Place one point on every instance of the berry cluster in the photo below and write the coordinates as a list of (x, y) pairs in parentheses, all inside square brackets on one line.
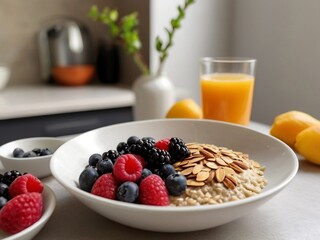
[(21, 201), (36, 152), (139, 171)]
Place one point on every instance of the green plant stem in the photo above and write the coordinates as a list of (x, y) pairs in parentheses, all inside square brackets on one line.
[(139, 60), (163, 51)]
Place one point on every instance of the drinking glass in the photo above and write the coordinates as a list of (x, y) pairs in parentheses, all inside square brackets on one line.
[(227, 86)]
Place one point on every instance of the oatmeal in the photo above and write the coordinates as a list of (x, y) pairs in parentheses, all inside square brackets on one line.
[(217, 175)]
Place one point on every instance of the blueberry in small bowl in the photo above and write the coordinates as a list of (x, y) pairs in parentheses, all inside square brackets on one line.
[(30, 155)]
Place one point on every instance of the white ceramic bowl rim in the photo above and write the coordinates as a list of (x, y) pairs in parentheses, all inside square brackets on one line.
[(120, 204)]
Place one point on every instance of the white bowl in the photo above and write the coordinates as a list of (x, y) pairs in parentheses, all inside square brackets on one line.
[(280, 161), (4, 76), (29, 233), (38, 166)]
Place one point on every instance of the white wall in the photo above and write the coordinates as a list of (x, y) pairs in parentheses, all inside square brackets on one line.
[(205, 32), (285, 38)]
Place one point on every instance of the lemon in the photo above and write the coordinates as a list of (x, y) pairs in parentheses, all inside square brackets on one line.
[(288, 125), (308, 142), (186, 108)]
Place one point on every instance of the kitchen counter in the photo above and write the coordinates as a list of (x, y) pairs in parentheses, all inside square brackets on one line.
[(291, 214), (52, 110), (37, 100)]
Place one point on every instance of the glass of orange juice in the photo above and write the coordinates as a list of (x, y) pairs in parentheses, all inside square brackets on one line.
[(227, 86)]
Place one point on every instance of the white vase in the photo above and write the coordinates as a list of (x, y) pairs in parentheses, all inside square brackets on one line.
[(154, 95)]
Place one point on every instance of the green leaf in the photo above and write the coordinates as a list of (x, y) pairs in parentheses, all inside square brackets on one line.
[(94, 12), (158, 44), (175, 23), (113, 15)]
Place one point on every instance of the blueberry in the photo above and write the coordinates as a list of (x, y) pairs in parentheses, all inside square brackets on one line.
[(4, 191), (45, 152), (104, 166), (176, 184), (29, 154), (3, 201), (18, 153), (145, 173), (94, 159), (87, 178), (166, 170), (36, 150), (128, 192), (132, 140)]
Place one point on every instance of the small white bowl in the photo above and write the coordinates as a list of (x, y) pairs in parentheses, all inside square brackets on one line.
[(49, 201), (280, 161), (38, 166), (4, 76)]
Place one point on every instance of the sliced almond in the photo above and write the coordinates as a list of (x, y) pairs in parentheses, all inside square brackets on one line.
[(241, 164), (228, 183), (212, 165), (229, 170), (197, 168), (235, 167), (206, 153), (202, 176), (232, 179), (194, 183), (226, 159), (211, 176), (187, 171), (221, 162), (220, 174)]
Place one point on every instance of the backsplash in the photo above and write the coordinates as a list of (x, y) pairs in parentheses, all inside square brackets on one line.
[(20, 22)]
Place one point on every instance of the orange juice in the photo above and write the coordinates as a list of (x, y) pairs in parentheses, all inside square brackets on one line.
[(227, 97)]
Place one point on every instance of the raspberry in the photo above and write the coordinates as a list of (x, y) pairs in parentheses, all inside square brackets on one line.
[(163, 144), (152, 191), (105, 186), (127, 168), (141, 160), (21, 212), (25, 184)]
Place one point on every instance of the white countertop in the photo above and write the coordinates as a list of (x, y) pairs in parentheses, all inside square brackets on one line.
[(292, 214), (36, 100)]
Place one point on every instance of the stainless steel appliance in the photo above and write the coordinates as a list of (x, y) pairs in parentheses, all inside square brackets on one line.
[(64, 43)]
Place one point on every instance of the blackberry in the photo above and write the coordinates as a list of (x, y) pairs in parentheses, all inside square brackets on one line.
[(149, 139), (141, 147), (123, 148), (177, 149), (157, 157), (10, 176), (44, 152), (111, 154), (29, 154)]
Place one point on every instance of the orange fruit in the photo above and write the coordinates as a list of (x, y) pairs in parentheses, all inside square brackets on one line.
[(288, 125), (186, 108)]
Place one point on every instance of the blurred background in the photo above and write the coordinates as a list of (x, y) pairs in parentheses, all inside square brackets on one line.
[(282, 35)]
